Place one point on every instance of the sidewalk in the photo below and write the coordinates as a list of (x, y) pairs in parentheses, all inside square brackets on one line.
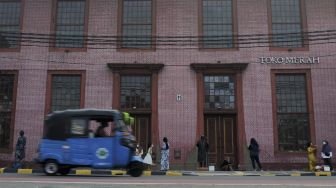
[(97, 172)]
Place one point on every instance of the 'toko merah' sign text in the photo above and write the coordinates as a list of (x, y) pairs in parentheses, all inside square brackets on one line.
[(289, 60)]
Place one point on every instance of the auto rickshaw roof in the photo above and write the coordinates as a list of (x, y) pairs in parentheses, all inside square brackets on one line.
[(81, 112), (57, 123)]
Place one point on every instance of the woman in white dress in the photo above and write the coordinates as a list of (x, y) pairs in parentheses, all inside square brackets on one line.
[(148, 158)]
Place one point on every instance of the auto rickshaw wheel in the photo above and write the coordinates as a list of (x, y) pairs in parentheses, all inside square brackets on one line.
[(136, 169), (64, 171), (51, 167)]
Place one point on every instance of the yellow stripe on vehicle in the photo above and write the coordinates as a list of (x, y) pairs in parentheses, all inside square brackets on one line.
[(83, 172), (2, 170), (25, 171), (118, 172)]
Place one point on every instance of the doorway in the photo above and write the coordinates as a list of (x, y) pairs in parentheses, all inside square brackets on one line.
[(221, 134), (142, 130)]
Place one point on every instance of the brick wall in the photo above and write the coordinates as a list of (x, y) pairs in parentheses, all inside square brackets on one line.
[(177, 119)]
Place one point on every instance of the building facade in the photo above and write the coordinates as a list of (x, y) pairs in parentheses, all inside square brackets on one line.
[(227, 69)]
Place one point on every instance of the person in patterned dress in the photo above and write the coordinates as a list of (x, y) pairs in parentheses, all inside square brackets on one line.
[(165, 155)]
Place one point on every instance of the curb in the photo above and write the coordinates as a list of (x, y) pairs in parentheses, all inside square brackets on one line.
[(88, 172), (265, 173), (97, 172)]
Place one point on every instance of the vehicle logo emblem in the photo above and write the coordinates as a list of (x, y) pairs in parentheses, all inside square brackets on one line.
[(102, 153)]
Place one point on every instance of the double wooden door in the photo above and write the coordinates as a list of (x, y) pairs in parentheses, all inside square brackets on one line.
[(142, 130), (221, 134)]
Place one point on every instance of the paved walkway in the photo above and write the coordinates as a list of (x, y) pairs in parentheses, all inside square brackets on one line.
[(175, 173)]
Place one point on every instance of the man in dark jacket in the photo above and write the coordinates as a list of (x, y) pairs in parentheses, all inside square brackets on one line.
[(203, 147), (20, 150), (254, 153)]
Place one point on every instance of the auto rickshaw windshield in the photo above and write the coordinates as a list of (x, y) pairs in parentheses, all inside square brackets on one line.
[(121, 126)]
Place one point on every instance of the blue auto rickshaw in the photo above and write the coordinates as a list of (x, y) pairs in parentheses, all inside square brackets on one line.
[(75, 138)]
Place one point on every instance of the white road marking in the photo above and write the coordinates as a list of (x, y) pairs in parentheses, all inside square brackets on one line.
[(139, 183)]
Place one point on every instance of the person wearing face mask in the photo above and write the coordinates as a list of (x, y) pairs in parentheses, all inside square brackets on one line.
[(326, 154)]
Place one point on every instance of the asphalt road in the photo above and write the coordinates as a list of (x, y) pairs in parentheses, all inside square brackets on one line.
[(42, 181)]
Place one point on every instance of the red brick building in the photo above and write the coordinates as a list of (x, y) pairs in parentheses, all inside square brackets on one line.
[(228, 69)]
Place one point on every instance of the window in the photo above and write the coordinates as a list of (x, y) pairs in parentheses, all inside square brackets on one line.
[(287, 24), (218, 26), (65, 92), (10, 22), (7, 107), (135, 92), (78, 127), (101, 126), (219, 92), (70, 23), (137, 24), (292, 112)]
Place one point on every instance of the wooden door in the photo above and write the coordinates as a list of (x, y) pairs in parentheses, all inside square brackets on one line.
[(142, 130), (221, 134)]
